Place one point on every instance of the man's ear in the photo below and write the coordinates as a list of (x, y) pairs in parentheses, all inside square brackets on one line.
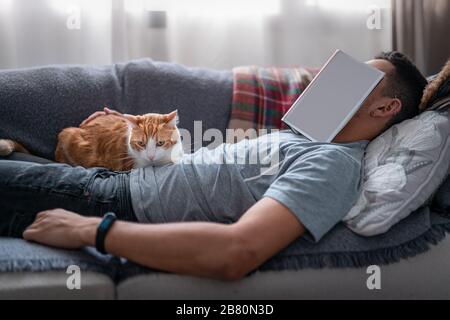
[(390, 108), (173, 118)]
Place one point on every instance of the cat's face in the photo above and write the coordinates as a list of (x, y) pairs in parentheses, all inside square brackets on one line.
[(154, 139)]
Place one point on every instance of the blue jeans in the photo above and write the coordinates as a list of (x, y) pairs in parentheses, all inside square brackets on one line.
[(28, 188)]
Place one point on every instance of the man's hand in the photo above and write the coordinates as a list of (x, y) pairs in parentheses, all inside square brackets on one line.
[(62, 229), (106, 112)]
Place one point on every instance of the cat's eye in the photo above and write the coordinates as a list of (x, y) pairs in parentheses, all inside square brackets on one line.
[(141, 143), (161, 143)]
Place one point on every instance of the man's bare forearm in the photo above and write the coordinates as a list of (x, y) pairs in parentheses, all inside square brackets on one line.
[(197, 249), (211, 250)]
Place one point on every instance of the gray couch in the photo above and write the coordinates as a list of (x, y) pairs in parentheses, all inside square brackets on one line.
[(35, 104), (426, 276)]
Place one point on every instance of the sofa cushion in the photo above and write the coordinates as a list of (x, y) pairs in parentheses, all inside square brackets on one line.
[(404, 167), (52, 285)]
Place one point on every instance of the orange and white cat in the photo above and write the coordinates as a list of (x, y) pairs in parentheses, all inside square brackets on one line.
[(117, 143)]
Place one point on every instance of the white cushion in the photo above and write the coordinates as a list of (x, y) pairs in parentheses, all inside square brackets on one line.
[(403, 168)]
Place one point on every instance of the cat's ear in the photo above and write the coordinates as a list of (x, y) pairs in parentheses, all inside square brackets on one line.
[(133, 121), (173, 119)]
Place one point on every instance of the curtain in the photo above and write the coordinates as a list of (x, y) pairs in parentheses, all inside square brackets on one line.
[(309, 31), (45, 32), (217, 34), (421, 30)]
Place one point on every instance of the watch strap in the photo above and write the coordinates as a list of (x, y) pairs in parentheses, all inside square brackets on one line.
[(103, 229)]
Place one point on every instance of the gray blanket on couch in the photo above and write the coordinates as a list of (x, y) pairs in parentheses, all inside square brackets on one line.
[(35, 104)]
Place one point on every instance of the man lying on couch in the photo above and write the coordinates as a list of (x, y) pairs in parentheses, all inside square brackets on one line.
[(218, 221)]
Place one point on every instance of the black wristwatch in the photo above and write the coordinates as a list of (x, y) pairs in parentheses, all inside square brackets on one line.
[(105, 226)]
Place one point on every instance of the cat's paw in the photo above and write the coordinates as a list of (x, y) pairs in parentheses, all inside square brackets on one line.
[(6, 148)]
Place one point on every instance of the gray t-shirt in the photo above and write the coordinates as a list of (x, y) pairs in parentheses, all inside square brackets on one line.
[(318, 182)]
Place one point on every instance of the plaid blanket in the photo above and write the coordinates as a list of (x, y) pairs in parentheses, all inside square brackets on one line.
[(262, 96)]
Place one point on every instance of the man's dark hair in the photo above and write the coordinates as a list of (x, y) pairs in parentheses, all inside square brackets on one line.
[(406, 83)]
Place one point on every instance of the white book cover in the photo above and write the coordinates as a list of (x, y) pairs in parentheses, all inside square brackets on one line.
[(333, 98)]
